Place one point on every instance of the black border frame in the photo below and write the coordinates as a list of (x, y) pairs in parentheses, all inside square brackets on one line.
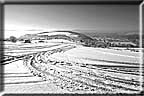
[(1, 47), (131, 2), (59, 2)]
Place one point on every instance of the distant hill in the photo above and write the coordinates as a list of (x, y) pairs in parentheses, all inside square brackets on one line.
[(83, 35), (132, 36), (95, 33), (70, 35)]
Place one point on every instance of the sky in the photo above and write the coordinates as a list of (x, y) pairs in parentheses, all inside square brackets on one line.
[(29, 19)]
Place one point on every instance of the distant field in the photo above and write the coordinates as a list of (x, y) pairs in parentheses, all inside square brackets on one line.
[(19, 48)]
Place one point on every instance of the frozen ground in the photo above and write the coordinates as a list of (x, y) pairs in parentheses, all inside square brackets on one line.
[(19, 48), (100, 56), (81, 70), (82, 61), (18, 79)]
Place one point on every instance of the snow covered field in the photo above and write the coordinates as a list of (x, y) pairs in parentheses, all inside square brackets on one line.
[(64, 67), (18, 79), (102, 76), (100, 56), (19, 48)]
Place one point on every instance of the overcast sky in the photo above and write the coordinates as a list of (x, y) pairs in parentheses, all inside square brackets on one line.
[(26, 19)]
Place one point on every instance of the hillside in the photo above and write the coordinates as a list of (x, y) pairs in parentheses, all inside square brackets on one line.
[(119, 35), (132, 36), (68, 35)]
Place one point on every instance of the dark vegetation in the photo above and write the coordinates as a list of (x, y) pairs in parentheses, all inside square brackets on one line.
[(11, 38), (116, 36), (27, 41)]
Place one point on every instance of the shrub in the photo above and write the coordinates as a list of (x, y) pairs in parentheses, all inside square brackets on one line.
[(13, 39)]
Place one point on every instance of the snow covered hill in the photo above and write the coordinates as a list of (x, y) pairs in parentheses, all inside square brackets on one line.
[(69, 35)]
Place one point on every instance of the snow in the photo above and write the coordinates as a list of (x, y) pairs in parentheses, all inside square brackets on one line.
[(18, 79), (58, 33), (93, 55), (58, 41), (22, 48), (20, 44)]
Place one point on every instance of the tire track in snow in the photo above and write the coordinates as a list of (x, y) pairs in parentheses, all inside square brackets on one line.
[(88, 78)]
